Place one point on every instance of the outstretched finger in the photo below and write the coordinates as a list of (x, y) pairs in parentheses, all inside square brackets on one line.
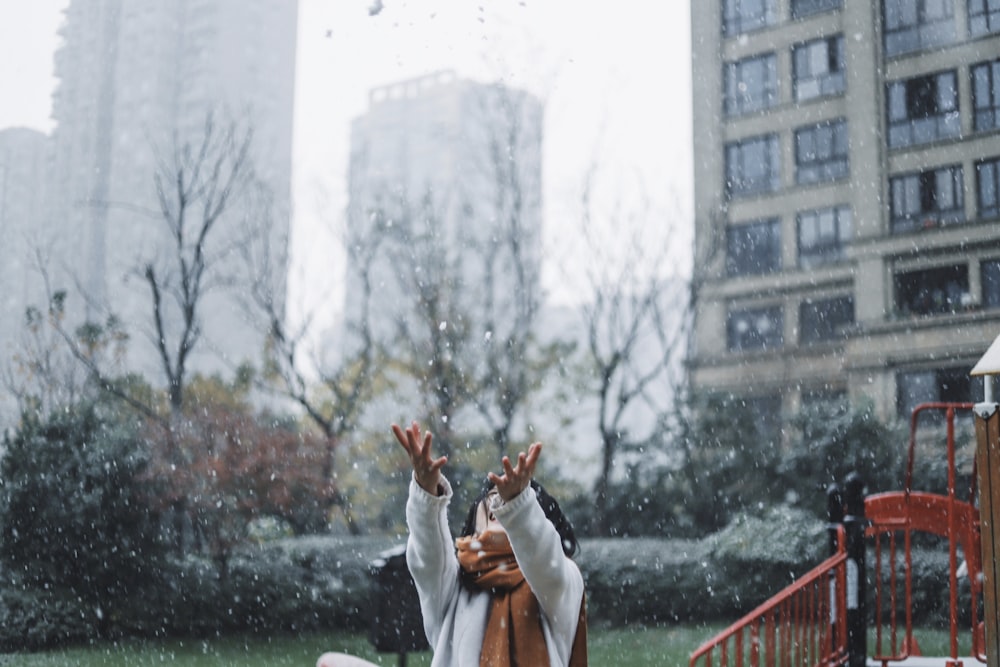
[(438, 463), (406, 439), (402, 438), (522, 464), (534, 451), (413, 439), (508, 468)]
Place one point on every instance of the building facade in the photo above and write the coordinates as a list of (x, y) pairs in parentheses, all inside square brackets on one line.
[(137, 81), (847, 157)]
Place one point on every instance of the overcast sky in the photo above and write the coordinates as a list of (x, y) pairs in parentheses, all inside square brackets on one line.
[(615, 77)]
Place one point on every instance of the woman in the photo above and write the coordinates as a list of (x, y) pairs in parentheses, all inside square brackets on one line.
[(506, 593)]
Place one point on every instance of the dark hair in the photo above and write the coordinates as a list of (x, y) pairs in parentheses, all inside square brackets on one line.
[(552, 512)]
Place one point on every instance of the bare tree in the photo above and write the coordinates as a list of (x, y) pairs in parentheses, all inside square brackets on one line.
[(432, 326), (42, 375), (196, 184), (636, 324), (468, 257), (45, 372), (459, 247), (512, 362), (335, 398)]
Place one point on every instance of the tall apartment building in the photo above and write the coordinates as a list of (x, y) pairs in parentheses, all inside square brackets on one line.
[(137, 78), (449, 157), (847, 198), (22, 169)]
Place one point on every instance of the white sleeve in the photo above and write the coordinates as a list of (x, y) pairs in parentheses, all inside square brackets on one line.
[(554, 578), (430, 555)]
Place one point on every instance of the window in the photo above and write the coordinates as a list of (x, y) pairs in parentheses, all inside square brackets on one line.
[(821, 152), (923, 109), (753, 248), (825, 319), (739, 16), (752, 165), (819, 68), (935, 385), (751, 84), (990, 277), (984, 17), (926, 199), (914, 25), (937, 291), (988, 187), (822, 235), (755, 329), (802, 8), (986, 95)]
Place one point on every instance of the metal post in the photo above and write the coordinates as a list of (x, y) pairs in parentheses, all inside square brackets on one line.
[(854, 527), (835, 515), (988, 468), (835, 519)]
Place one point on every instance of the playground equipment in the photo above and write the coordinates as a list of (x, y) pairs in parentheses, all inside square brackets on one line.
[(988, 464), (828, 618)]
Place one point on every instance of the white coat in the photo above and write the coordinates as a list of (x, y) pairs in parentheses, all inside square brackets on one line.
[(455, 617)]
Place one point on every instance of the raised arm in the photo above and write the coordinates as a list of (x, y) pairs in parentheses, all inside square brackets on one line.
[(430, 550), (554, 578)]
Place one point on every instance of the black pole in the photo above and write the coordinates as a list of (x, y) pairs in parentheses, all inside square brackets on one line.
[(835, 515), (854, 527), (835, 518)]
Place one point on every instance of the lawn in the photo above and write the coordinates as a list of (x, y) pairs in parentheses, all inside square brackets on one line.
[(623, 647)]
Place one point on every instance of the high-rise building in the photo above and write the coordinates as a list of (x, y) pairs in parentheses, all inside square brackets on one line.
[(22, 169), (458, 164), (847, 196), (137, 79)]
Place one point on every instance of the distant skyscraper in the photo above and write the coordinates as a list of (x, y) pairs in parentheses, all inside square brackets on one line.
[(136, 78), (452, 159), (22, 169)]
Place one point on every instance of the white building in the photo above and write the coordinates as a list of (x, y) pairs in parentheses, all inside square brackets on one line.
[(451, 159), (136, 79), (22, 169)]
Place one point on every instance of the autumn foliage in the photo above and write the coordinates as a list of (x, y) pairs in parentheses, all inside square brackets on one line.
[(222, 467)]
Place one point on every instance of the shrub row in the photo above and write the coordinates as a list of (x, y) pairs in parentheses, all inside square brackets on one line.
[(317, 583), (291, 585)]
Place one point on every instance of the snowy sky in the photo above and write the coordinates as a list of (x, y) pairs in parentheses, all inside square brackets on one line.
[(615, 77)]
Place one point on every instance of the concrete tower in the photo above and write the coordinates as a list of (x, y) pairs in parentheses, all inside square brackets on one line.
[(457, 160), (138, 78)]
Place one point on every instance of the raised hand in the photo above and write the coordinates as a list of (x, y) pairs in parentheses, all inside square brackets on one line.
[(426, 470), (516, 478)]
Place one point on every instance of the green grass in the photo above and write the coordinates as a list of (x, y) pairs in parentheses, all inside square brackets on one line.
[(622, 647)]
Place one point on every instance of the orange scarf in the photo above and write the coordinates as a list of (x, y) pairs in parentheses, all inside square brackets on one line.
[(513, 635)]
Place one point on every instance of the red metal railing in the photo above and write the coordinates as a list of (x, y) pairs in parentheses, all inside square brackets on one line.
[(805, 624), (894, 517), (802, 626)]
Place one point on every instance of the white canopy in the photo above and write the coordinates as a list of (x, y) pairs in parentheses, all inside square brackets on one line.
[(990, 362)]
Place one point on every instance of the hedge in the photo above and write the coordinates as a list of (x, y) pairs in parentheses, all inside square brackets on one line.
[(316, 583)]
